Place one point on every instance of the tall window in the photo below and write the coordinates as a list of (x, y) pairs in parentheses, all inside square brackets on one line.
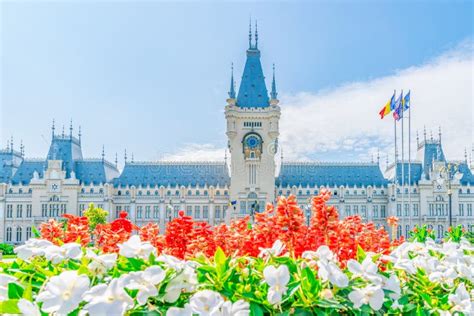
[(189, 210), (9, 211), (399, 231), (440, 231), (29, 211), (399, 210), (118, 209), (415, 209), (205, 211), (63, 209), (348, 210), (139, 211), (469, 209), (197, 211), (9, 234), (355, 209), (243, 207), (176, 210), (363, 210), (19, 211), (406, 209), (461, 209), (28, 232), (407, 230), (376, 211), (18, 234), (147, 211), (431, 209), (383, 212), (217, 211), (156, 211)]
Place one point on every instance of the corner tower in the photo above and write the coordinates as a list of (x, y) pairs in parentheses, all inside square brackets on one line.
[(252, 131)]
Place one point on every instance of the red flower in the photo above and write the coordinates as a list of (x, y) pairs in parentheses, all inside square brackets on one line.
[(77, 229), (52, 230)]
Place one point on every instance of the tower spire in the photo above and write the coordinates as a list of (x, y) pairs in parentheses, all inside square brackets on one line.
[(232, 84), (70, 129), (417, 139), (250, 33), (80, 134), (116, 159), (465, 155), (274, 93), (62, 134), (103, 152), (132, 158), (11, 144), (125, 156), (378, 156), (52, 129), (22, 148), (256, 35), (424, 133), (439, 134)]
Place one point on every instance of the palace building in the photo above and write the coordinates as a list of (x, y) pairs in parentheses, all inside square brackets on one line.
[(33, 190)]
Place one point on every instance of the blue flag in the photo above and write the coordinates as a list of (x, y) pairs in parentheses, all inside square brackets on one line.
[(397, 113), (406, 101)]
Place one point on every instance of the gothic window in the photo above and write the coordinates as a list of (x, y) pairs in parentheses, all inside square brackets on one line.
[(197, 192), (176, 193), (156, 212), (119, 193), (28, 233), (18, 234), (9, 210), (156, 192), (8, 234), (147, 211), (92, 190), (148, 192)]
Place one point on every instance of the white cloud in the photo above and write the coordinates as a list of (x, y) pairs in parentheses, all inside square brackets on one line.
[(346, 119), (196, 152), (343, 123)]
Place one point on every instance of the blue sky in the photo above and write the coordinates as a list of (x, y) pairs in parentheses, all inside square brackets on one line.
[(153, 77)]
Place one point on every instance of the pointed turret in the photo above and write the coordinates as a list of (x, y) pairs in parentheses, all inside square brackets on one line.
[(274, 93), (253, 91), (232, 84)]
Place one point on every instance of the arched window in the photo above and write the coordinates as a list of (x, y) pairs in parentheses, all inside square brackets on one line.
[(197, 192), (28, 232), (226, 193), (119, 192), (205, 192), (8, 236), (468, 191), (308, 192), (300, 192), (156, 192), (127, 193), (101, 191), (190, 192), (218, 192), (177, 193), (91, 190), (30, 191), (148, 192), (168, 193), (20, 191), (140, 193), (83, 191), (18, 234)]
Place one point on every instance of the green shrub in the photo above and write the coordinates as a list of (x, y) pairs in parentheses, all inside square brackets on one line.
[(6, 249)]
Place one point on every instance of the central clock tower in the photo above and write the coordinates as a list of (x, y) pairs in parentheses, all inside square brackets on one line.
[(252, 131)]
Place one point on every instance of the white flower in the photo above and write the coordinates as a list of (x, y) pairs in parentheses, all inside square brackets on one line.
[(367, 270), (32, 247), (274, 251), (145, 282), (28, 308), (63, 293), (108, 299), (322, 254), (329, 271), (177, 311), (392, 284), (172, 262), (56, 254), (206, 302), (100, 264), (461, 301), (4, 280), (277, 279), (239, 308), (372, 295), (185, 280), (134, 247), (443, 274)]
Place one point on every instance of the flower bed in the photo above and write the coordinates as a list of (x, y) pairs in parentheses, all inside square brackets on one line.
[(277, 265)]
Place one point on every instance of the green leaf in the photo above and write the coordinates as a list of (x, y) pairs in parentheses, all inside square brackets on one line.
[(360, 253), (35, 232), (255, 309), (219, 257), (15, 291), (9, 307)]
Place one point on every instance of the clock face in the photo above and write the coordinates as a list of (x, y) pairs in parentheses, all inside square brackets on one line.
[(252, 142)]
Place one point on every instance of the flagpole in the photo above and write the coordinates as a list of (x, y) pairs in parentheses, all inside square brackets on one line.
[(409, 165), (403, 165), (395, 156)]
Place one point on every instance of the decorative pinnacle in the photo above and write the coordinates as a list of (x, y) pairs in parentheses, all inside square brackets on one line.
[(274, 93), (125, 155), (250, 33), (116, 159), (424, 132), (70, 129), (439, 134), (52, 129), (80, 134), (417, 139), (232, 84), (256, 35), (11, 143), (103, 152)]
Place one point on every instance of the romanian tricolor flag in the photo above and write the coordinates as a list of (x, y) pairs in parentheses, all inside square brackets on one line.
[(388, 107)]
